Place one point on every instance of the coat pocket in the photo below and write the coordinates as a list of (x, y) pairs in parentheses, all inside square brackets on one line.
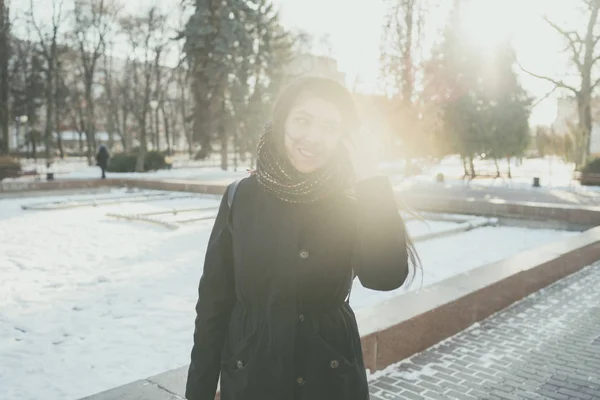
[(336, 376), (331, 359), (241, 354)]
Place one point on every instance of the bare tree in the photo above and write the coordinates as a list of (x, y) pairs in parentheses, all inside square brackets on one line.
[(402, 36), (4, 75), (48, 37), (581, 48), (399, 58), (183, 83), (27, 87), (94, 21), (146, 39)]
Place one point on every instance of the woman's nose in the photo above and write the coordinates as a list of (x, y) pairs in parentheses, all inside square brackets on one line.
[(313, 134)]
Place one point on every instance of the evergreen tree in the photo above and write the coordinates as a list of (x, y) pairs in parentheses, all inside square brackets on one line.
[(484, 109), (234, 49)]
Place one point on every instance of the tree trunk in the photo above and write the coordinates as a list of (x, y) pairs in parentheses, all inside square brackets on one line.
[(167, 131), (125, 134), (49, 117), (407, 70), (143, 148), (224, 145), (585, 125), (509, 172), (497, 167), (34, 149), (235, 151), (90, 133), (157, 131), (59, 142), (4, 78), (472, 167), (57, 128), (81, 142), (464, 162)]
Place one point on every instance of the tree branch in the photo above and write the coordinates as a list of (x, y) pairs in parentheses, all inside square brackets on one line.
[(572, 43), (559, 84), (45, 51), (596, 83), (534, 105)]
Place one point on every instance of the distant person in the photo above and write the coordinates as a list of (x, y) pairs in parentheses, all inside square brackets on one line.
[(273, 316), (102, 159)]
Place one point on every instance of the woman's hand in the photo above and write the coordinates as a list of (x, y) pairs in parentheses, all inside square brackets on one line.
[(362, 150)]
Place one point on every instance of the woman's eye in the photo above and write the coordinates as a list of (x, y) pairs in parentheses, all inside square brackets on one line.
[(302, 120)]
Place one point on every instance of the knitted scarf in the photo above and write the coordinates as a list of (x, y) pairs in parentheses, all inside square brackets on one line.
[(276, 174)]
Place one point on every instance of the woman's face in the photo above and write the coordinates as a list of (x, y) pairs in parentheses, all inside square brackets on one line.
[(313, 130)]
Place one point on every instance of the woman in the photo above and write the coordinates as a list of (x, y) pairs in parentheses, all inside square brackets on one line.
[(272, 316)]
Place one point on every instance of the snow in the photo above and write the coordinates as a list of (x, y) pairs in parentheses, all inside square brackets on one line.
[(89, 302), (554, 173), (183, 168), (449, 256)]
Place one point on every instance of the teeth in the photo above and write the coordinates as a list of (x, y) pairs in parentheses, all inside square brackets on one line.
[(306, 153)]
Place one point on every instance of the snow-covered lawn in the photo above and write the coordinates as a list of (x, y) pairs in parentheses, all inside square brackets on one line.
[(89, 302)]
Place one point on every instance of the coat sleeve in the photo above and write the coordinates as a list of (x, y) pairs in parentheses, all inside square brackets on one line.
[(380, 258), (216, 297)]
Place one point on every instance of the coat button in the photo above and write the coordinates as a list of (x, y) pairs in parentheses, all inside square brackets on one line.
[(300, 381), (240, 364), (301, 317), (334, 364), (304, 254)]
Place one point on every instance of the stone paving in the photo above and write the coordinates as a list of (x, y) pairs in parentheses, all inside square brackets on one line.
[(545, 347)]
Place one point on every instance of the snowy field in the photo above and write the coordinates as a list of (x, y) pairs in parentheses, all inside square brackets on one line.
[(89, 302)]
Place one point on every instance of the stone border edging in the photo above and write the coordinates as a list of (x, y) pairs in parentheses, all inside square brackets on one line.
[(572, 214)]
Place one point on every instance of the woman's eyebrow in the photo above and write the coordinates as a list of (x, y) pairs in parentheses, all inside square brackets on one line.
[(303, 113)]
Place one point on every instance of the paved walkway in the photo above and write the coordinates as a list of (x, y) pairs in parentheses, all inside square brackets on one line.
[(544, 347)]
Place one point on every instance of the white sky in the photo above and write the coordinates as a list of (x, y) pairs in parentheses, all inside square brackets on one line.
[(354, 29)]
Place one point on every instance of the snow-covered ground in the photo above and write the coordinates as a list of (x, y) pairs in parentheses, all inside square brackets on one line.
[(553, 172), (183, 168), (89, 302)]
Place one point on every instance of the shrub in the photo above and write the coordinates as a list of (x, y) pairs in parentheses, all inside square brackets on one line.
[(122, 162), (126, 162), (201, 154), (592, 166), (154, 160), (9, 167)]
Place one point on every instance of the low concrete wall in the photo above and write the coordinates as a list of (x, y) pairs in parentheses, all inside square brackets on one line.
[(28, 186), (576, 215)]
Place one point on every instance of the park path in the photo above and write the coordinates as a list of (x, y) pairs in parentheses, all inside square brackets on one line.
[(547, 346)]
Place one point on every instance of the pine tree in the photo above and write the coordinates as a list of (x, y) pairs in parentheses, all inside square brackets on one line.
[(484, 109), (231, 47), (508, 107)]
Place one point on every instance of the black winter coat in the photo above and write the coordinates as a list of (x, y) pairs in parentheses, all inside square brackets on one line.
[(272, 318)]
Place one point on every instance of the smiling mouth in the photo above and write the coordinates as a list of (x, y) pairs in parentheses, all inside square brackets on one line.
[(307, 154)]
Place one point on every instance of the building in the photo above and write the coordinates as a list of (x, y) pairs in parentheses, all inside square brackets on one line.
[(567, 116)]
